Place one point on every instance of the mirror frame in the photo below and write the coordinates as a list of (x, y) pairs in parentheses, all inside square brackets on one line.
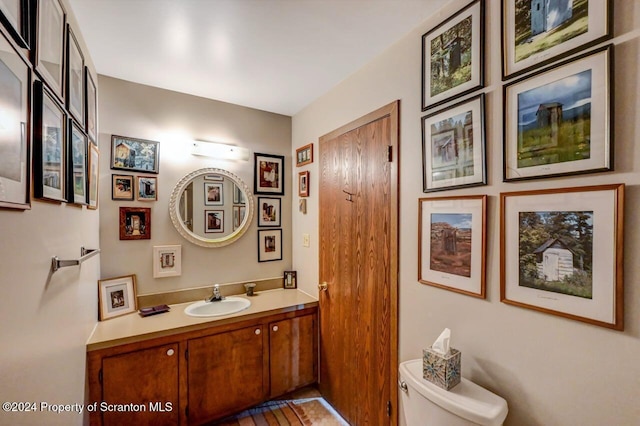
[(174, 202)]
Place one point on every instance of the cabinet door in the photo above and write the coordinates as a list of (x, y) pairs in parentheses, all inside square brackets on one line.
[(225, 373), (292, 353), (141, 387)]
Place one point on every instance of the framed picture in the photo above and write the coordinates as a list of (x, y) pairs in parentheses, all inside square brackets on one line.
[(49, 152), (302, 205), (238, 195), (167, 261), (135, 223), (117, 296), (50, 35), (91, 108), (270, 211), (452, 248), (290, 279), (75, 78), (214, 221), (94, 175), (304, 155), (213, 194), (214, 177), (15, 15), (538, 32), (15, 161), (78, 179), (122, 187), (238, 216), (147, 188), (269, 245), (557, 122), (453, 147), (138, 155), (303, 184), (561, 252), (453, 56), (269, 174)]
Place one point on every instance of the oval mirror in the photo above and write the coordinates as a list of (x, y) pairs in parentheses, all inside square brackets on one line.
[(211, 207)]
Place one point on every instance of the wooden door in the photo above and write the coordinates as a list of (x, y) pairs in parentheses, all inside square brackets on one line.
[(358, 261), (225, 373), (146, 378), (292, 354)]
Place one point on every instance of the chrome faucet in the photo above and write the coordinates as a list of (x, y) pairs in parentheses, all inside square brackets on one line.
[(215, 295)]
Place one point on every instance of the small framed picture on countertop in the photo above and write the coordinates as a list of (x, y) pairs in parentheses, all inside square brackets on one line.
[(290, 279)]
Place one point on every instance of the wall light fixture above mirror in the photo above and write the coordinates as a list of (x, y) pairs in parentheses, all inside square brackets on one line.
[(219, 150)]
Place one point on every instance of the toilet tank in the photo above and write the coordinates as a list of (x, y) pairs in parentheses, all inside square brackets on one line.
[(425, 404)]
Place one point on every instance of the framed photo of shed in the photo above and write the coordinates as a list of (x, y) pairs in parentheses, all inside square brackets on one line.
[(304, 155), (452, 247), (75, 78), (453, 146), (133, 154), (117, 296), (50, 46), (270, 212), (15, 148), (135, 223), (268, 174), (77, 178), (147, 188), (16, 17), (557, 122), (94, 176), (50, 147), (561, 252), (303, 184), (122, 187), (536, 33), (269, 245), (453, 56)]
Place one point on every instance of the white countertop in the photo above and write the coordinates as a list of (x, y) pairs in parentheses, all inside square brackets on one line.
[(132, 327)]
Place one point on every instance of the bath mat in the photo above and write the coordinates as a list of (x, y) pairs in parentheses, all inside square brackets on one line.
[(295, 412)]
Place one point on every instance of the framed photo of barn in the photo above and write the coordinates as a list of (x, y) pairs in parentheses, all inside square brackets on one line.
[(453, 147), (452, 247), (133, 154), (557, 122), (538, 32), (561, 252), (453, 56)]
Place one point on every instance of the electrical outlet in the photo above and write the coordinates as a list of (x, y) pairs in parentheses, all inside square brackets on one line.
[(305, 240)]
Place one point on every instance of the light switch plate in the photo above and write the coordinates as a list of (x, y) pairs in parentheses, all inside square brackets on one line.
[(305, 240)]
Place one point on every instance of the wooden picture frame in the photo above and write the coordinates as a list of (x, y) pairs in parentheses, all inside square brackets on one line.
[(214, 221), (135, 223), (91, 107), (122, 187), (561, 252), (75, 78), (269, 245), (132, 154), (268, 174), (453, 56), (558, 121), (16, 17), (549, 35), (238, 215), (453, 146), (50, 147), (304, 155), (116, 297), (303, 184), (213, 193), (94, 176), (270, 212), (167, 261), (15, 140), (51, 26), (290, 280), (78, 161), (146, 188), (453, 243)]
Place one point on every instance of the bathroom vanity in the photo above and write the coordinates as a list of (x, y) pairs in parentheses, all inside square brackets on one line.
[(175, 369)]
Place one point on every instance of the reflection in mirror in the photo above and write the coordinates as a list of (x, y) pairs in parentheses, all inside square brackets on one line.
[(211, 207)]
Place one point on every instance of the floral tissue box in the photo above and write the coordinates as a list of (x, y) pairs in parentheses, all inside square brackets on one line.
[(442, 371)]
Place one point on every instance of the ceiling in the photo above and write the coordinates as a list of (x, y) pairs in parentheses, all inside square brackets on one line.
[(273, 55)]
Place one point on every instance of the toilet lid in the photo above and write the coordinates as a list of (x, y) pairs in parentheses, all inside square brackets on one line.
[(466, 400)]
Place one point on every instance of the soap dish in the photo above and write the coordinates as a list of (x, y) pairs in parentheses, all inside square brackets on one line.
[(153, 310)]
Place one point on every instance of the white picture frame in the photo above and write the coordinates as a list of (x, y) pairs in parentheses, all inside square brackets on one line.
[(167, 261)]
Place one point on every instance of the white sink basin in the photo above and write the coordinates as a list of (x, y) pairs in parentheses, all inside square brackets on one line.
[(226, 306)]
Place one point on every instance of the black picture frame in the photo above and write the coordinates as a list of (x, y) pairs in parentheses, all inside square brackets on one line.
[(125, 154), (49, 146), (75, 78), (269, 212), (15, 141), (16, 17), (290, 280), (94, 176), (50, 47), (78, 161), (445, 60), (123, 187), (269, 245), (268, 174), (455, 157), (522, 52), (91, 107)]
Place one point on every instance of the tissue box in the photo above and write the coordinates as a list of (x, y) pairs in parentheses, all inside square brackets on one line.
[(442, 371)]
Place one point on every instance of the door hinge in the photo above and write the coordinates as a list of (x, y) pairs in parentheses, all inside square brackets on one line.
[(100, 376), (388, 408), (389, 153)]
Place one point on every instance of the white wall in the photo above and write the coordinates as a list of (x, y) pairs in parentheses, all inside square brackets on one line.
[(174, 119), (551, 370), (45, 320)]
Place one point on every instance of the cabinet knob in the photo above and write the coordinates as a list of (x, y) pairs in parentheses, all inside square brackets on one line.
[(258, 331), (170, 352), (275, 328), (323, 286)]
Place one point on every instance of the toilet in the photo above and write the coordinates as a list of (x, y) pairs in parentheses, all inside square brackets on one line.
[(425, 404)]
